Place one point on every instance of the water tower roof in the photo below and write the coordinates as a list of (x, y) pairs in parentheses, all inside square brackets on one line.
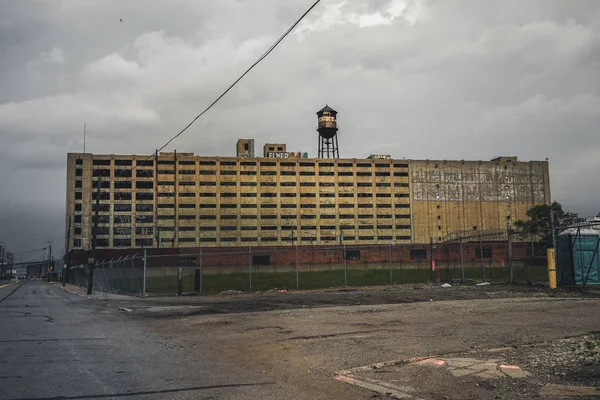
[(326, 108)]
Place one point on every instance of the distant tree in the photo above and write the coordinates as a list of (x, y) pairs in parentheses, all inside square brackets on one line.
[(539, 222)]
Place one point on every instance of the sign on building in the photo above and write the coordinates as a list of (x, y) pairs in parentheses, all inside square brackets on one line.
[(281, 154), (380, 157)]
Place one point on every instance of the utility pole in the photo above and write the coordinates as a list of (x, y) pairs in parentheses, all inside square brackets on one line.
[(66, 269), (49, 261), (510, 263), (1, 259), (94, 234)]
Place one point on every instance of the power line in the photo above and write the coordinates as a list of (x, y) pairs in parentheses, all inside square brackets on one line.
[(262, 57)]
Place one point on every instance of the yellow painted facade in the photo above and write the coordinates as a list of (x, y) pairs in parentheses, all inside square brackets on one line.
[(183, 200)]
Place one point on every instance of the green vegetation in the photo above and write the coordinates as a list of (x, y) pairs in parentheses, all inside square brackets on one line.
[(262, 281), (539, 223)]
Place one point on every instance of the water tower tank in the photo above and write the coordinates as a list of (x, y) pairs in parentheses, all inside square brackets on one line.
[(327, 128)]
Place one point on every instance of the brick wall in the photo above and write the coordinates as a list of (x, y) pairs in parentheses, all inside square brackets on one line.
[(310, 255)]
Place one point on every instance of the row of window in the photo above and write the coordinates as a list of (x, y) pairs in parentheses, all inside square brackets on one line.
[(150, 163), (148, 242), (143, 218), (148, 173), (103, 230)]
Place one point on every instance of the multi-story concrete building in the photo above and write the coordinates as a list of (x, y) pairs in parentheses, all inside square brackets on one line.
[(183, 200)]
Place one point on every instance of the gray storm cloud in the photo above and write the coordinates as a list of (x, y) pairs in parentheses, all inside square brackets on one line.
[(416, 79)]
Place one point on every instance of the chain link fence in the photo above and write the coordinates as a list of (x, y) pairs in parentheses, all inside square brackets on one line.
[(210, 271), (121, 276)]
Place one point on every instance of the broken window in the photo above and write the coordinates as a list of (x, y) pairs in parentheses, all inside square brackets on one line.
[(77, 219), (122, 208), (102, 243), (144, 173), (144, 185), (101, 172), (101, 207), (143, 242), (141, 219), (144, 196), (102, 195), (78, 195), (102, 219), (101, 230), (122, 231), (122, 185), (78, 172), (144, 230), (123, 162), (100, 162), (122, 219), (122, 196)]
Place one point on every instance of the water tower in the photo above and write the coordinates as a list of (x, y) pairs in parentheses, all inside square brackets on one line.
[(327, 128)]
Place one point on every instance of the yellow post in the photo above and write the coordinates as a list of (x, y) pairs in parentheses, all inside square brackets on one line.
[(551, 268)]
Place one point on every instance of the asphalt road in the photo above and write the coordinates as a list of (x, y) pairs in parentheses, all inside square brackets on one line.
[(56, 345)]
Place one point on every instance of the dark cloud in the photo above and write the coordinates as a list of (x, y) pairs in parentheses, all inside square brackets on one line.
[(417, 79)]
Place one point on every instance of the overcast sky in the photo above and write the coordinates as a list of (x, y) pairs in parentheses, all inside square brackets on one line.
[(415, 79)]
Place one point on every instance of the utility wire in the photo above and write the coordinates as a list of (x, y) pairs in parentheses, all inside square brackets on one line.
[(262, 57)]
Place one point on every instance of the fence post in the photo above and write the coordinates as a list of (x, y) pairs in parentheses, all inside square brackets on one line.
[(391, 279), (144, 276), (179, 281), (297, 267), (198, 277), (552, 269), (462, 265), (250, 267)]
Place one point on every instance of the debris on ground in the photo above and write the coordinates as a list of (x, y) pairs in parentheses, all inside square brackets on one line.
[(230, 292), (446, 285), (482, 284)]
